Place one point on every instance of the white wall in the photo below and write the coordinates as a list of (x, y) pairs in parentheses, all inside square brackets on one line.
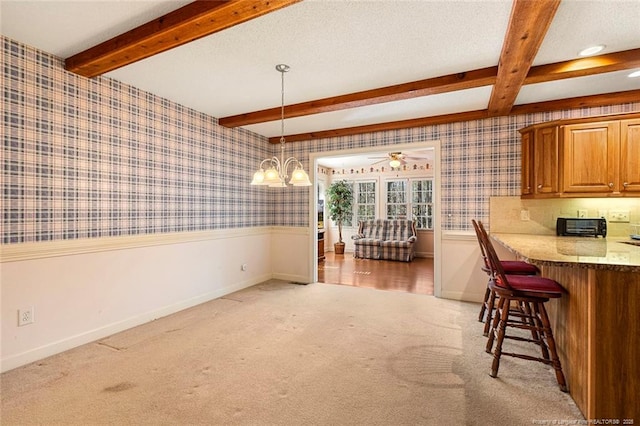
[(83, 293), (291, 250), (462, 278), (424, 244)]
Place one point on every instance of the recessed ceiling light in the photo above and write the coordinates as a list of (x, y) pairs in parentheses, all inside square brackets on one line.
[(635, 74), (591, 50)]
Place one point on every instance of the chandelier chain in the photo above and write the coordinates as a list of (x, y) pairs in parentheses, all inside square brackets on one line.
[(282, 71)]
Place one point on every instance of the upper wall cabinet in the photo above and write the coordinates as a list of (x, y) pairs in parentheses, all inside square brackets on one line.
[(591, 156), (594, 157), (630, 155), (540, 162)]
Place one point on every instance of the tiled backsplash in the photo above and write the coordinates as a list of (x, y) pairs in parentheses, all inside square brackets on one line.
[(505, 213), (86, 158)]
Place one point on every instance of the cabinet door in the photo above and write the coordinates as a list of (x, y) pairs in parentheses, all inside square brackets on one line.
[(590, 157), (630, 156), (545, 161), (526, 174)]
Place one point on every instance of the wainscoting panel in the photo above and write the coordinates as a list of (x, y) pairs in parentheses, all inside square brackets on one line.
[(78, 298), (462, 278)]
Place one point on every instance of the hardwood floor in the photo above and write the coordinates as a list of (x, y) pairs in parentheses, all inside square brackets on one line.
[(412, 277)]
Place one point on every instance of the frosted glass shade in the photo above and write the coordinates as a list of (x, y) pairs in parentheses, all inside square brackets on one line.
[(258, 178), (299, 177), (272, 176)]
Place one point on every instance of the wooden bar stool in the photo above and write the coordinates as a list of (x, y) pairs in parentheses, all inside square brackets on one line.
[(511, 267), (530, 293)]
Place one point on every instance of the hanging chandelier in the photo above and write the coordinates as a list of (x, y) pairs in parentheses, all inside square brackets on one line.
[(276, 174)]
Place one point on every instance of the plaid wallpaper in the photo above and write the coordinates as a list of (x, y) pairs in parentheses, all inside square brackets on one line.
[(479, 158), (87, 158)]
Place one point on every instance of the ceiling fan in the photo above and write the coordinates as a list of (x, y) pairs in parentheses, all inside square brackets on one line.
[(396, 159)]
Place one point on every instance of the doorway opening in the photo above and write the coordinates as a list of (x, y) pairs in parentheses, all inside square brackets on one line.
[(372, 164)]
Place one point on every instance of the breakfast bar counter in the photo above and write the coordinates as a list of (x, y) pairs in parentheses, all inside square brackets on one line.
[(597, 322)]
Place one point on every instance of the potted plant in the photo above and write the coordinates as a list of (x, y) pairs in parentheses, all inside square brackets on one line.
[(339, 203)]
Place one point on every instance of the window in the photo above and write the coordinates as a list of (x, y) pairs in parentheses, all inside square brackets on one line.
[(415, 196), (422, 203), (364, 206), (404, 199), (397, 199)]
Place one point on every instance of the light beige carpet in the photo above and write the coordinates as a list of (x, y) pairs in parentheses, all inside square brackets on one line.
[(279, 353)]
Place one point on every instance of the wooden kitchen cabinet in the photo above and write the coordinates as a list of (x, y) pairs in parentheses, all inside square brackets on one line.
[(630, 156), (545, 158), (592, 157), (526, 172), (540, 161)]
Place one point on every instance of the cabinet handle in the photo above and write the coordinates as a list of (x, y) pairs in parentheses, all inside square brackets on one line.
[(540, 186), (610, 184), (625, 184)]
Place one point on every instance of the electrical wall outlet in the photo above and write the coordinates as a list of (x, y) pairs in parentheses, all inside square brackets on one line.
[(524, 215), (602, 213), (25, 316), (619, 216), (582, 213)]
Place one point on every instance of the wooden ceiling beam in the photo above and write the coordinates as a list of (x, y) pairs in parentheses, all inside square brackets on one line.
[(614, 98), (528, 24), (381, 127), (556, 105), (190, 22), (611, 62), (582, 67), (431, 86)]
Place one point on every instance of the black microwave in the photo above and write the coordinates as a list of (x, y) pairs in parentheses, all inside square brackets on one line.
[(581, 227)]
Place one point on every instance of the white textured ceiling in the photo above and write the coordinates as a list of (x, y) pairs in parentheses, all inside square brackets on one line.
[(333, 48)]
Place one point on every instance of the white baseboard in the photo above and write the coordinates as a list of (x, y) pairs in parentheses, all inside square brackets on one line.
[(102, 332), (292, 278), (463, 296), (424, 254)]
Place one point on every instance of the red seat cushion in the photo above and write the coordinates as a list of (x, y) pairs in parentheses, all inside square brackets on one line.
[(519, 267), (532, 284)]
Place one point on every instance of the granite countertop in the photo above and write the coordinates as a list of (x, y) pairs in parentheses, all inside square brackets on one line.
[(587, 252)]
